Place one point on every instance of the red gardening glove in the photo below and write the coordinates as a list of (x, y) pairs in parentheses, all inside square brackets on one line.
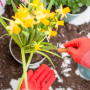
[(82, 54), (41, 79)]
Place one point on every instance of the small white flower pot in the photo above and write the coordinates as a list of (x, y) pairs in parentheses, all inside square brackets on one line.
[(31, 66)]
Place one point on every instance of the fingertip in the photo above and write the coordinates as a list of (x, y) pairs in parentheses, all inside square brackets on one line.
[(65, 45), (29, 74), (30, 71), (43, 65)]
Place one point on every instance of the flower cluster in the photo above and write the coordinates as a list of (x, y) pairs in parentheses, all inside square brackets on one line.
[(37, 18)]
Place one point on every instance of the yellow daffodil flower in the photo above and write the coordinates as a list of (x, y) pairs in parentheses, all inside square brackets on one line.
[(62, 11), (39, 29), (13, 28), (59, 23), (36, 2), (52, 15), (51, 33), (28, 23), (16, 29), (43, 31), (39, 15), (37, 46), (45, 21), (41, 6)]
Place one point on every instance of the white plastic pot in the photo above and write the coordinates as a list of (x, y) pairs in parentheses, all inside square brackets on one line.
[(31, 66)]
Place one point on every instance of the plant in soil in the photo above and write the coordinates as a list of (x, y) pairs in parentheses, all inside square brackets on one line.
[(30, 26), (75, 5)]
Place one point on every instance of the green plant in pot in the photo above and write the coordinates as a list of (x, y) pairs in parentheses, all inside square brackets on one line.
[(30, 25), (77, 7)]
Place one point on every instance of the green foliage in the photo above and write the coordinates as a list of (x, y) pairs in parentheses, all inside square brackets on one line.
[(73, 4), (17, 2)]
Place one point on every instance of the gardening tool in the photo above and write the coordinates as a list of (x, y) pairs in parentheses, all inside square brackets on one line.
[(63, 50)]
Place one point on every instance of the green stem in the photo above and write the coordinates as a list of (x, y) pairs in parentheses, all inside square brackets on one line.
[(5, 18), (4, 35), (29, 61), (3, 22), (50, 4), (24, 66), (25, 2), (20, 39), (44, 2), (52, 53), (15, 38)]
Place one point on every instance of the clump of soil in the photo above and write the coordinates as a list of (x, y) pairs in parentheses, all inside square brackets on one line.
[(11, 69)]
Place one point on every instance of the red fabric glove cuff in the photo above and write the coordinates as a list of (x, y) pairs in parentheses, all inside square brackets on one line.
[(85, 61)]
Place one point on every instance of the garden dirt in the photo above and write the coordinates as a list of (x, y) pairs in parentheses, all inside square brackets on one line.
[(11, 69)]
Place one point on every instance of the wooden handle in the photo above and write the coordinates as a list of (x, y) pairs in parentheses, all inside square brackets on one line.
[(62, 50)]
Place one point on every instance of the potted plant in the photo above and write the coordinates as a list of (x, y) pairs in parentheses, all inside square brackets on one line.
[(77, 7), (85, 72), (30, 25)]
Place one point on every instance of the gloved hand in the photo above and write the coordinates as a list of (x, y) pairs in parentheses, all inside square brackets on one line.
[(82, 54), (41, 79)]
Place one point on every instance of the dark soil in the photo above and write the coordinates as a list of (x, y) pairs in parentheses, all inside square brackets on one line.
[(17, 54), (11, 69), (83, 8)]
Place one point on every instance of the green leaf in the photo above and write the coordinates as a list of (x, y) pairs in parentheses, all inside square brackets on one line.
[(32, 34), (22, 77), (75, 5), (50, 47), (17, 2), (4, 35), (50, 4), (24, 66), (25, 33), (46, 43), (80, 4), (8, 2), (51, 53), (46, 57), (14, 7), (3, 22)]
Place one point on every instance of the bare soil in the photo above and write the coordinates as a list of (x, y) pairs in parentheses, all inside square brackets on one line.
[(11, 69)]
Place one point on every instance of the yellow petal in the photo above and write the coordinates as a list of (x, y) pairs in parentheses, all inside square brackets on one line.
[(66, 10), (36, 47), (43, 31), (65, 16), (53, 33), (61, 23), (61, 6), (53, 15), (46, 11), (45, 21), (62, 16), (41, 7), (36, 2), (16, 29), (28, 23)]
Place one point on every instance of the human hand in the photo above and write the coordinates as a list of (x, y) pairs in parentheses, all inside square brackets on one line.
[(41, 79), (82, 54)]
